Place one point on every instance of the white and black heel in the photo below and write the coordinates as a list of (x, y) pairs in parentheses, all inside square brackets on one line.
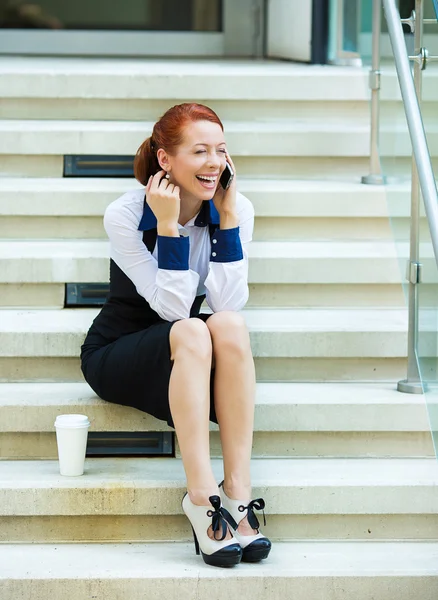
[(218, 552), (255, 547)]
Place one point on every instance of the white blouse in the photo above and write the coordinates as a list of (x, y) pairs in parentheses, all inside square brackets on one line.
[(179, 269)]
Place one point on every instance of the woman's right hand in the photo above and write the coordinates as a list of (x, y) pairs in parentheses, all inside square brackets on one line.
[(163, 198)]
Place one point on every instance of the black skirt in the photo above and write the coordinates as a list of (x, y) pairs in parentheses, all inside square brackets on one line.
[(134, 370)]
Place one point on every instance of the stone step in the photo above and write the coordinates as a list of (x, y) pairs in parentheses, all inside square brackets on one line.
[(175, 80), (72, 88), (229, 109), (278, 333), (155, 486), (298, 570), (346, 419), (52, 295), (284, 208), (297, 198), (331, 168), (283, 262), (33, 273), (244, 138), (288, 344), (335, 407), (49, 208), (141, 490), (265, 228), (288, 137), (29, 77)]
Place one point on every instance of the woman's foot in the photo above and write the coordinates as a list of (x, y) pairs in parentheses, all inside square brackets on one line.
[(236, 492), (211, 532), (201, 498), (246, 526)]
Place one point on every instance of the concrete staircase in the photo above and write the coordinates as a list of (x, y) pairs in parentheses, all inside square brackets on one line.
[(344, 462)]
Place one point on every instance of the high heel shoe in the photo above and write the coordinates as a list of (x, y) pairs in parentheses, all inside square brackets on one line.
[(255, 547), (218, 552)]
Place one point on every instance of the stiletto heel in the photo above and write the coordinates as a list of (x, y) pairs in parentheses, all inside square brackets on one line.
[(217, 552), (255, 547), (196, 542)]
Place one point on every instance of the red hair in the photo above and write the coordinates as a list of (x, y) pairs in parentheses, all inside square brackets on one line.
[(168, 134)]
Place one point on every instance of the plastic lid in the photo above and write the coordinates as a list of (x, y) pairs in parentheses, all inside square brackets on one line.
[(72, 421)]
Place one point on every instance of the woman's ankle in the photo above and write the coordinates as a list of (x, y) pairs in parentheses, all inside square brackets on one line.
[(200, 496), (236, 490)]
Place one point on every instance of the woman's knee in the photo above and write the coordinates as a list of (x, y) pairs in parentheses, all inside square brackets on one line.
[(190, 336), (229, 332)]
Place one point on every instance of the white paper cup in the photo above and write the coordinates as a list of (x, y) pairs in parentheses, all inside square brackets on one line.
[(71, 437)]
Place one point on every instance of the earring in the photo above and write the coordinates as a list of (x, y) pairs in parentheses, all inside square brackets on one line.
[(167, 176)]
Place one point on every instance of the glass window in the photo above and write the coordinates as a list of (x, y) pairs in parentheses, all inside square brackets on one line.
[(129, 15)]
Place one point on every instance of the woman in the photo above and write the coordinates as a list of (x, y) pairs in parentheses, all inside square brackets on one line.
[(182, 239)]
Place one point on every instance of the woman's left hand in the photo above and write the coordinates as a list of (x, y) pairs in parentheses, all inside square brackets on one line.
[(225, 200)]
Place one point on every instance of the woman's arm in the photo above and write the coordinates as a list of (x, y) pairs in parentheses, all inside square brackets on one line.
[(167, 284), (227, 280)]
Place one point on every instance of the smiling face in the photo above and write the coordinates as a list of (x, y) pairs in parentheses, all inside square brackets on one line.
[(198, 161)]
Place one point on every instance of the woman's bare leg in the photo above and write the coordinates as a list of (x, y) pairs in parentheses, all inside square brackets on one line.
[(234, 392), (189, 391)]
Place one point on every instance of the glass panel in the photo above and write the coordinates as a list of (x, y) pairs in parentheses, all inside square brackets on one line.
[(131, 15), (344, 32), (395, 154), (396, 161), (350, 26), (431, 28), (428, 290), (428, 331)]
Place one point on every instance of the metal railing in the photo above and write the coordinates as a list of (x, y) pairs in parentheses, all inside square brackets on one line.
[(375, 176), (422, 171)]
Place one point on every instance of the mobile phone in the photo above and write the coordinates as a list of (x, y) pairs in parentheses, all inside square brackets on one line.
[(227, 176)]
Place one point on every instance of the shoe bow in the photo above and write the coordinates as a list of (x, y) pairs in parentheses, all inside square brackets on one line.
[(220, 516), (258, 504)]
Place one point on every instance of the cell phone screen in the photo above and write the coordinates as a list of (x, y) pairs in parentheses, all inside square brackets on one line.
[(226, 177)]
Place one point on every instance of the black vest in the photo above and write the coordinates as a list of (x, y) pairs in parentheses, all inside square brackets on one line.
[(125, 311)]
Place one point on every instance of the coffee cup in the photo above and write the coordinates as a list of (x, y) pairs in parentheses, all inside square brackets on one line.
[(71, 438)]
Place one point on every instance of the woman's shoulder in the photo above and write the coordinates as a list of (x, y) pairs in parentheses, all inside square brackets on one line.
[(245, 207), (127, 206)]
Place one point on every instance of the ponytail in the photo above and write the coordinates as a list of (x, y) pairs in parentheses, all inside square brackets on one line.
[(146, 162)]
